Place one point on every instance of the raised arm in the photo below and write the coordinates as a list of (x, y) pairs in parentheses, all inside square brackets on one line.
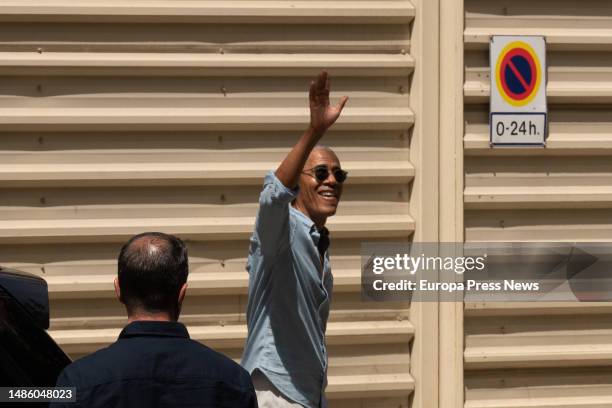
[(322, 116)]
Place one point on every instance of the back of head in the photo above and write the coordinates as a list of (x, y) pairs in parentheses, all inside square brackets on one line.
[(153, 267)]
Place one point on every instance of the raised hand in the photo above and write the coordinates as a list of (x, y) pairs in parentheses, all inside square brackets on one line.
[(322, 116)]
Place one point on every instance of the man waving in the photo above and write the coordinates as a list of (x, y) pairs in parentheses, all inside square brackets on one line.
[(290, 280)]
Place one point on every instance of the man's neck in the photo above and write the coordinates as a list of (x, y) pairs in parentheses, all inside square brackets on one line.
[(319, 222), (150, 317)]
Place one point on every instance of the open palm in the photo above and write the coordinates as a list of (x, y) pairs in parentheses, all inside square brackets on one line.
[(322, 115)]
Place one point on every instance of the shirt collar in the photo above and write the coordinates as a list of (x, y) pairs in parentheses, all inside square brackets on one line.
[(154, 328), (303, 218), (315, 232)]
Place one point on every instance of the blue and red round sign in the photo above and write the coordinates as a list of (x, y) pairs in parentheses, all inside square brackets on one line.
[(518, 73)]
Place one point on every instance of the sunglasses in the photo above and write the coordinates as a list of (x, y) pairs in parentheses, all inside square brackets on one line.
[(321, 173)]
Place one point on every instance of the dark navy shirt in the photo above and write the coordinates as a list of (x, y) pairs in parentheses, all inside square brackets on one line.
[(155, 364)]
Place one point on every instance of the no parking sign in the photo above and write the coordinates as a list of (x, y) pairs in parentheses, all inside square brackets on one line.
[(518, 91)]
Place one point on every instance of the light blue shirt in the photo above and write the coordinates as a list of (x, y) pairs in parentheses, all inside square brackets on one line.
[(289, 296)]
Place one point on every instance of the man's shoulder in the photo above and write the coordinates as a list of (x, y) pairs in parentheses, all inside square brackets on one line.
[(218, 364), (81, 370), (98, 356)]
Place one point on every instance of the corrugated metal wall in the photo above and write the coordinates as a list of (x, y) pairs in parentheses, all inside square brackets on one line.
[(123, 117), (146, 115), (541, 355)]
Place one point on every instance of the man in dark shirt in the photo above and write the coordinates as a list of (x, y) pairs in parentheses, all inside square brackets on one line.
[(154, 363)]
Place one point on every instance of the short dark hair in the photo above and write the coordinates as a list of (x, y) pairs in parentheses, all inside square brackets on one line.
[(153, 267)]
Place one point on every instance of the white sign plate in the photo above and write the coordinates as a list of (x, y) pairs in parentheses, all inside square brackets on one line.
[(518, 91)]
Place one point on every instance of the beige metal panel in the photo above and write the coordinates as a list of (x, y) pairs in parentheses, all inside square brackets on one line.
[(111, 215), (209, 11), (573, 131), (178, 159), (226, 228), (369, 386), (193, 104), (425, 198), (176, 167), (177, 174), (538, 225), (541, 340), (538, 197), (168, 37), (143, 119), (550, 182), (451, 218), (597, 352), (377, 402), (274, 91), (539, 389), (122, 117), (567, 24), (175, 64), (540, 355), (572, 171), (531, 308)]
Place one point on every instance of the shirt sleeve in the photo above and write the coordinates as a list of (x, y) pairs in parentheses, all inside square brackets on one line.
[(272, 225)]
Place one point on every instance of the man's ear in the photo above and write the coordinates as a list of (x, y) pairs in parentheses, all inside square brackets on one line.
[(117, 290), (181, 295)]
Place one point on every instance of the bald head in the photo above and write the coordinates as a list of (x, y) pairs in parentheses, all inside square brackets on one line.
[(152, 269), (319, 154), (148, 245), (325, 148)]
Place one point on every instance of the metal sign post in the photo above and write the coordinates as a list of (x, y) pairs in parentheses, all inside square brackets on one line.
[(518, 114)]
